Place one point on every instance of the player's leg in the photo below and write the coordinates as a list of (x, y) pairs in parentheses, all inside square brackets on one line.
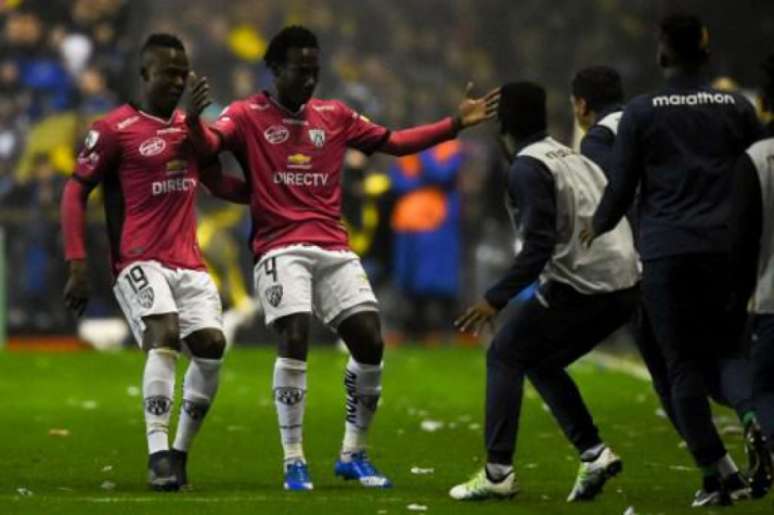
[(763, 385), (654, 362), (144, 295), (514, 345), (284, 285), (344, 300), (200, 385), (581, 322), (686, 326), (361, 332)]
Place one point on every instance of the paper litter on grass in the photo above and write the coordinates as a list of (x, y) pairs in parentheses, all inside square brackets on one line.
[(431, 425), (417, 507)]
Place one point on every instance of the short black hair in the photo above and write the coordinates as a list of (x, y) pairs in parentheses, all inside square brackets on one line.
[(293, 36), (522, 109), (599, 86), (767, 85), (162, 40), (687, 37)]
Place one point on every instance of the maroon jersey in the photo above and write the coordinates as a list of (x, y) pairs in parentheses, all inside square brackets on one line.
[(293, 162), (149, 176)]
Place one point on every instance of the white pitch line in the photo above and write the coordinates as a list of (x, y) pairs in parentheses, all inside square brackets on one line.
[(618, 364)]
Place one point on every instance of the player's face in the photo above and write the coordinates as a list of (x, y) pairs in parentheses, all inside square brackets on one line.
[(165, 77), (298, 77), (581, 112)]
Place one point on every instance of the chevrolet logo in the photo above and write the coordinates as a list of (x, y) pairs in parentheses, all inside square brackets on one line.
[(299, 159), (176, 166)]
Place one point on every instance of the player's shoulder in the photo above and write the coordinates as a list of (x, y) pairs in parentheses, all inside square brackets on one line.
[(118, 119), (331, 108), (254, 103)]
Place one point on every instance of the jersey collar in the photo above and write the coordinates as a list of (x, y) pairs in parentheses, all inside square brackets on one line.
[(172, 118), (276, 103)]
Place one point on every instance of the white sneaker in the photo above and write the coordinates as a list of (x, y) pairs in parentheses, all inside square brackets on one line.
[(592, 475), (479, 487)]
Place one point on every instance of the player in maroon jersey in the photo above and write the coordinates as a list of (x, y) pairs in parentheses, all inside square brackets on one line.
[(142, 157), (291, 147)]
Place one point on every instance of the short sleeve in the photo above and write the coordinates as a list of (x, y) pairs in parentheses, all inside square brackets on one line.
[(229, 124), (99, 155), (362, 133)]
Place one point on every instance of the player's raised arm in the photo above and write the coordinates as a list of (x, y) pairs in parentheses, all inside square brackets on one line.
[(471, 112), (96, 158), (225, 186)]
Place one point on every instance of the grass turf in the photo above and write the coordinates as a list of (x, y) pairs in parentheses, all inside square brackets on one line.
[(72, 440)]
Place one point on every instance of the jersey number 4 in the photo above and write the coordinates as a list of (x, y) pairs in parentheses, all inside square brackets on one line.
[(270, 268)]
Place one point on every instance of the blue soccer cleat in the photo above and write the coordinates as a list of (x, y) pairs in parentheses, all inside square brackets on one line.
[(297, 476), (360, 467)]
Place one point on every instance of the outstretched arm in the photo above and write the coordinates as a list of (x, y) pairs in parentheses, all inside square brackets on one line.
[(225, 186), (471, 112), (73, 217)]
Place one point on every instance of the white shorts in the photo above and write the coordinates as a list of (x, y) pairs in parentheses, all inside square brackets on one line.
[(331, 284), (148, 288)]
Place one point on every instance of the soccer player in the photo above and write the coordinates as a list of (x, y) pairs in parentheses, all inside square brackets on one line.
[(291, 145), (681, 143), (753, 223), (142, 157), (583, 297)]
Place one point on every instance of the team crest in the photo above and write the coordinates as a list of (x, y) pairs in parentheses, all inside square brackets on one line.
[(158, 405), (146, 297), (274, 294), (289, 396), (317, 136)]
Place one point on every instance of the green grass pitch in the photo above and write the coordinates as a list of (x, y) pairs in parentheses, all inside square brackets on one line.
[(71, 440)]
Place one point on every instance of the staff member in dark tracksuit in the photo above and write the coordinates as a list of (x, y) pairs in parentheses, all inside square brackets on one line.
[(680, 145), (753, 225), (597, 98), (584, 295)]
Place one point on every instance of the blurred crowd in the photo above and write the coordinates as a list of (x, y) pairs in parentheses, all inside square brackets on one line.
[(63, 63)]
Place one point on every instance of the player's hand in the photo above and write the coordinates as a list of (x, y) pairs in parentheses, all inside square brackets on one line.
[(473, 111), (476, 317), (198, 96), (76, 294), (587, 236)]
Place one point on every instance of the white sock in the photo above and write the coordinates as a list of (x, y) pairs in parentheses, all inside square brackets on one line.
[(290, 400), (364, 387), (497, 472), (199, 387), (592, 453), (158, 387), (726, 466)]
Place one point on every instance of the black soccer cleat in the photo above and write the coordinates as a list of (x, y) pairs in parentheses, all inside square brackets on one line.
[(737, 487), (179, 462), (760, 473), (161, 475), (712, 493)]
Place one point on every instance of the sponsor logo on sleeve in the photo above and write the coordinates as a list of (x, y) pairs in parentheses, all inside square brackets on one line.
[(91, 140), (152, 146), (276, 134), (317, 136), (123, 124)]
